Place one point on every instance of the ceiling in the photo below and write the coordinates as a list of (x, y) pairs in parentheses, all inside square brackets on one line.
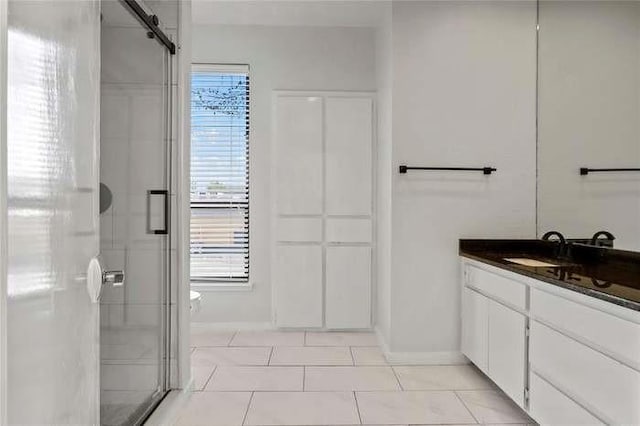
[(328, 13)]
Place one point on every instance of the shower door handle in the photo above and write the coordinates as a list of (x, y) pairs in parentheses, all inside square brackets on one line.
[(114, 278), (165, 228)]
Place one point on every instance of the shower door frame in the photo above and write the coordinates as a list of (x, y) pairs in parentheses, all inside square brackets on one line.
[(150, 22), (3, 206)]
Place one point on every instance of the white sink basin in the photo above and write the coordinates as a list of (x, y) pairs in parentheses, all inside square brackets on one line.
[(530, 262)]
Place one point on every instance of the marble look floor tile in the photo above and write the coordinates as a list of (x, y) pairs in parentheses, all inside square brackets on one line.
[(491, 406), (228, 378), (442, 407), (207, 357), (202, 336), (302, 408), (350, 379), (311, 356), (214, 408), (340, 338), (442, 377), (201, 376), (368, 356), (268, 338)]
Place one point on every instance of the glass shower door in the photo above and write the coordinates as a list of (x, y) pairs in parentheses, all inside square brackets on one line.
[(134, 220)]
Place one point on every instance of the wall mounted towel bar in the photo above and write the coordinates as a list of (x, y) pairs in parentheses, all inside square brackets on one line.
[(586, 171), (484, 170)]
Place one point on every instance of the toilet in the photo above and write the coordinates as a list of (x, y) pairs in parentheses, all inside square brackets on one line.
[(195, 298)]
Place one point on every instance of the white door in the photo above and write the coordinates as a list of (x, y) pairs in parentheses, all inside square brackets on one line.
[(475, 327), (52, 204), (507, 350)]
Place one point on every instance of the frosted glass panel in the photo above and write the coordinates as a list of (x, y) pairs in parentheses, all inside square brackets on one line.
[(52, 140)]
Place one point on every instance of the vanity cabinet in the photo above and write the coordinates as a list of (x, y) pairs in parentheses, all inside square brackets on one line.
[(493, 334), (323, 209), (565, 357)]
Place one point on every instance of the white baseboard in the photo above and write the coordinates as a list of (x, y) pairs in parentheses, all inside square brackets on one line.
[(169, 409), (419, 358), (234, 326)]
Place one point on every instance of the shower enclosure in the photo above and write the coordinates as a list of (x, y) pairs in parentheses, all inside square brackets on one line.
[(135, 210)]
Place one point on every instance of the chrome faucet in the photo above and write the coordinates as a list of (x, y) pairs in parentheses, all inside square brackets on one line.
[(562, 242), (608, 241)]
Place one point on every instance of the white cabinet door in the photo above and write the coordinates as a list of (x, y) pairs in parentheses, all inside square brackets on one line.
[(349, 127), (298, 155), (507, 350), (348, 287), (475, 327), (298, 275)]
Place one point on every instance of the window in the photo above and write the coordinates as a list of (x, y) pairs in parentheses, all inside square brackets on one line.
[(220, 173)]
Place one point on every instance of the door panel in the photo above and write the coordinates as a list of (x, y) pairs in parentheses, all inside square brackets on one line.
[(348, 287), (298, 272), (298, 148), (52, 146), (475, 327), (507, 350), (349, 124)]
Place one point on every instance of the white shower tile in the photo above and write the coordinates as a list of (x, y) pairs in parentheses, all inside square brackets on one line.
[(350, 379), (230, 356), (491, 406), (214, 409), (268, 338), (243, 378), (368, 356), (302, 408), (129, 377), (442, 377), (334, 338), (204, 335), (441, 407), (311, 356)]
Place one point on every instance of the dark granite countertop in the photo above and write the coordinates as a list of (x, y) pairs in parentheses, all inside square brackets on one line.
[(607, 274)]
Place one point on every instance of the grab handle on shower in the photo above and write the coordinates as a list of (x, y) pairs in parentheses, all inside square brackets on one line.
[(165, 194)]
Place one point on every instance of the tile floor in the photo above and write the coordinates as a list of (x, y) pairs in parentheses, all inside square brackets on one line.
[(318, 378)]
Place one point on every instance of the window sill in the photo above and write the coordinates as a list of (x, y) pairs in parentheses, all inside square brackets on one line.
[(214, 286)]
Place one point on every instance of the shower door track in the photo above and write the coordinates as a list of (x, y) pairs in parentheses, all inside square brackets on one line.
[(151, 22)]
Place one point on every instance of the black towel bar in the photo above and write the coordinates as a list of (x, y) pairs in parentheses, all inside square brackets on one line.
[(484, 170), (586, 171)]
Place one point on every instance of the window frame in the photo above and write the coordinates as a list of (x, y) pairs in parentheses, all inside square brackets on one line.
[(217, 283)]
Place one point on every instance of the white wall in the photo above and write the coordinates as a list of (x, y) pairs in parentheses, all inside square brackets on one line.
[(589, 109), (280, 58), (384, 73), (463, 95)]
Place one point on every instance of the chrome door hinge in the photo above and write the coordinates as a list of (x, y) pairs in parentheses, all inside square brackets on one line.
[(526, 396), (527, 331)]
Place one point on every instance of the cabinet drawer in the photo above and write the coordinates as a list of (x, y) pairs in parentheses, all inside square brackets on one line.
[(615, 335), (549, 406), (603, 386), (505, 289)]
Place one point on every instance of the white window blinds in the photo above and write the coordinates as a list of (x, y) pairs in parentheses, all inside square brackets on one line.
[(220, 173)]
